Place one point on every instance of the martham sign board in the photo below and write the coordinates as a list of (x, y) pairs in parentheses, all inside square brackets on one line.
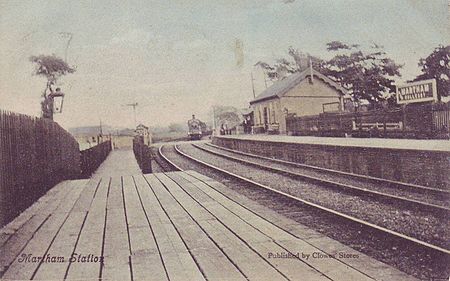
[(420, 91)]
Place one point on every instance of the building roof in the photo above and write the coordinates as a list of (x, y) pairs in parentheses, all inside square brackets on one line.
[(141, 126), (279, 88)]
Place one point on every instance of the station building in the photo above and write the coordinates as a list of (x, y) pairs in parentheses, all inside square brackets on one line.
[(303, 93)]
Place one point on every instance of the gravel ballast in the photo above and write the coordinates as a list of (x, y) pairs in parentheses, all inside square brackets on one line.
[(411, 193)]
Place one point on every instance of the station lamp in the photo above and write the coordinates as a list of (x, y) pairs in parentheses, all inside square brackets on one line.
[(57, 100)]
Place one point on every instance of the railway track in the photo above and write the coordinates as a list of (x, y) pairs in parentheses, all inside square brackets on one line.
[(172, 164), (440, 193), (160, 163), (440, 197)]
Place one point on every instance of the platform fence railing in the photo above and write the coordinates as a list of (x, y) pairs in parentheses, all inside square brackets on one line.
[(35, 154), (413, 121), (93, 157), (143, 154)]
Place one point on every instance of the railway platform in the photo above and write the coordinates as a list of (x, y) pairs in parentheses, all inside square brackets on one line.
[(394, 144), (123, 225), (421, 162)]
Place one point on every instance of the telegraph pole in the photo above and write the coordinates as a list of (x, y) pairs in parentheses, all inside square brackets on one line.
[(66, 35), (253, 85), (134, 105)]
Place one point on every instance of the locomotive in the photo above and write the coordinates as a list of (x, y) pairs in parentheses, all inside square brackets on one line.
[(196, 128)]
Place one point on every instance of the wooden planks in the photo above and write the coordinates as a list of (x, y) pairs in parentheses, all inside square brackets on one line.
[(16, 234), (163, 227), (250, 263), (178, 263), (210, 260), (259, 242), (116, 249), (146, 262), (330, 267), (43, 237), (39, 207), (62, 247), (67, 238), (90, 239)]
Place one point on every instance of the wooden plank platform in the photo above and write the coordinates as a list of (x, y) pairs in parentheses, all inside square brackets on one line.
[(167, 226)]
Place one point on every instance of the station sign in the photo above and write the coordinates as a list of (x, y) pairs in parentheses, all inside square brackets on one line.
[(420, 91)]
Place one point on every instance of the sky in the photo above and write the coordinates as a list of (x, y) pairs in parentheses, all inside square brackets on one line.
[(178, 58)]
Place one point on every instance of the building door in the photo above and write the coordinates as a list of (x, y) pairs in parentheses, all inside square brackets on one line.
[(266, 118)]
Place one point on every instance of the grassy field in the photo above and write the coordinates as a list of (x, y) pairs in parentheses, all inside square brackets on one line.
[(169, 136)]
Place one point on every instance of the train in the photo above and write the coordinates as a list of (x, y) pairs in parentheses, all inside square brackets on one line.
[(196, 128)]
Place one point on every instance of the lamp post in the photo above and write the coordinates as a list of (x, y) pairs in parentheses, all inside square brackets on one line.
[(52, 103)]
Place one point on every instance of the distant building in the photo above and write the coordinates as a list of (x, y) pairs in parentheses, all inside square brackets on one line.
[(299, 94), (142, 130)]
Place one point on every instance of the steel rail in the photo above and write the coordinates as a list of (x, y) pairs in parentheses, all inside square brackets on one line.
[(406, 186), (158, 158), (167, 159), (316, 180), (325, 209)]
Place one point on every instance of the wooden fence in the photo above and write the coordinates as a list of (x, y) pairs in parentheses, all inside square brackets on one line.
[(35, 154), (91, 158), (441, 118), (413, 121), (143, 154)]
